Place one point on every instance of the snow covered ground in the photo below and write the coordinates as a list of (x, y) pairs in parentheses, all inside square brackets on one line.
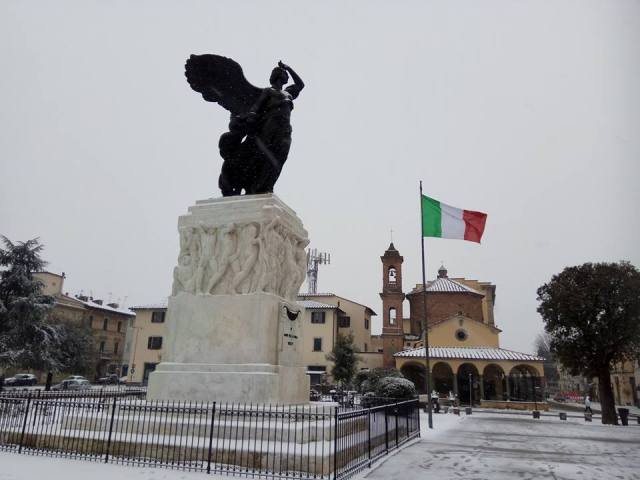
[(500, 447), (480, 446)]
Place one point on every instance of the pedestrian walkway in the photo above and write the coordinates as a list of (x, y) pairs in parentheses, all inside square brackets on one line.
[(506, 447)]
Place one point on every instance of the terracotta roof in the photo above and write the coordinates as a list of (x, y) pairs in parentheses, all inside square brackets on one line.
[(313, 305), (107, 308), (150, 306), (445, 284), (471, 353)]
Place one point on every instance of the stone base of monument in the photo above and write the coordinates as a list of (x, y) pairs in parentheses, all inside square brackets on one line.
[(233, 327)]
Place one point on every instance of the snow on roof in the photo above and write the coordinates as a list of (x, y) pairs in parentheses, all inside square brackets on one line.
[(316, 295), (312, 305), (445, 284), (151, 306), (123, 311), (471, 353)]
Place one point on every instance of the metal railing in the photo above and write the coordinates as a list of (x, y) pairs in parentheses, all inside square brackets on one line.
[(96, 392), (268, 441)]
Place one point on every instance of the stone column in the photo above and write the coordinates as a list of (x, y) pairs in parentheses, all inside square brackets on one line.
[(481, 383)]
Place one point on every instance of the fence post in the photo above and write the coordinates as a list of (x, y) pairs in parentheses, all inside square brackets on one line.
[(335, 444), (386, 430), (369, 434), (406, 416), (213, 414), (113, 413), (396, 412), (24, 422)]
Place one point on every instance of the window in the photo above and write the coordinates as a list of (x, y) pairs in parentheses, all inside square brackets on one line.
[(366, 347), (119, 326), (317, 317), (317, 344), (102, 346), (366, 323), (105, 323), (154, 343), (115, 348), (344, 322), (157, 317), (392, 316)]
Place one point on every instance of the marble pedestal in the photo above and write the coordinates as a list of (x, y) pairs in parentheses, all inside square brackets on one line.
[(234, 330)]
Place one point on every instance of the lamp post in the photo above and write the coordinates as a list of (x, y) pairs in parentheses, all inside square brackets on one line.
[(471, 390)]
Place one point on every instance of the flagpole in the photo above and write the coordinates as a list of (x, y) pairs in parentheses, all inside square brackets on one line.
[(423, 320)]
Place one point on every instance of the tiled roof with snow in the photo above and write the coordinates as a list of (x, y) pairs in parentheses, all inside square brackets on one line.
[(445, 284), (469, 353), (151, 306), (316, 295), (313, 305), (121, 311)]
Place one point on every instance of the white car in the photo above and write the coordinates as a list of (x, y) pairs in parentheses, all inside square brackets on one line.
[(72, 385)]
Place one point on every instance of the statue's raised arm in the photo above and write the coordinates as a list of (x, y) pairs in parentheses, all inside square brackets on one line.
[(257, 144)]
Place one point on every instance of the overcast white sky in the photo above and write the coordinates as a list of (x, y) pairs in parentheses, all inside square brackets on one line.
[(526, 110)]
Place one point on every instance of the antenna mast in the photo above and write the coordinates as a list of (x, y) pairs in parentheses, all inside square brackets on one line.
[(315, 258)]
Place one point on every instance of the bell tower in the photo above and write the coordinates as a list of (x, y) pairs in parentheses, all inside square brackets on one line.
[(392, 298)]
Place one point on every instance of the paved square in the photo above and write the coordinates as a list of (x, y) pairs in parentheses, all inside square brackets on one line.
[(497, 446)]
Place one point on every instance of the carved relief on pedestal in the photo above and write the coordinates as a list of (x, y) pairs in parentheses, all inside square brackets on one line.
[(240, 258)]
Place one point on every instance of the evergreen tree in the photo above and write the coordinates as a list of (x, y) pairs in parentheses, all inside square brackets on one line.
[(345, 359), (592, 313), (27, 340)]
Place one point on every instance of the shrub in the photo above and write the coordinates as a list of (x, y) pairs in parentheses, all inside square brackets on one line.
[(367, 380), (394, 387)]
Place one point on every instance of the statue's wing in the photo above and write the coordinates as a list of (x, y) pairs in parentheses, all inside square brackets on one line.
[(220, 79)]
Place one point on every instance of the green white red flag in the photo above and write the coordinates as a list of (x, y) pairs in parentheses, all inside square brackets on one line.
[(444, 221)]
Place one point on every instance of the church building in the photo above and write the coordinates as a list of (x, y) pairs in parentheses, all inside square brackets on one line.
[(464, 346)]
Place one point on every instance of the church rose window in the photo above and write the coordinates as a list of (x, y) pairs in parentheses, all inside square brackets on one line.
[(461, 335)]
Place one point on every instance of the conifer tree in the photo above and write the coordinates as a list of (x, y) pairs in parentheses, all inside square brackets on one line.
[(27, 339), (345, 359)]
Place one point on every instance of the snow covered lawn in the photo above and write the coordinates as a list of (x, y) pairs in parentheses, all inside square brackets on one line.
[(498, 446), (28, 467)]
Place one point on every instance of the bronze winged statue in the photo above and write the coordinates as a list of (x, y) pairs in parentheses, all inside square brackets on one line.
[(257, 143)]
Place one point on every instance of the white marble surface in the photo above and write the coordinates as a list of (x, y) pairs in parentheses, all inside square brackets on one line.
[(232, 329)]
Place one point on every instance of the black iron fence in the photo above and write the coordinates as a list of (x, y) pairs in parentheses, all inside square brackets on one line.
[(268, 441), (97, 392)]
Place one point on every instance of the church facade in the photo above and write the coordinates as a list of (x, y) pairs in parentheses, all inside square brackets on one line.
[(464, 345)]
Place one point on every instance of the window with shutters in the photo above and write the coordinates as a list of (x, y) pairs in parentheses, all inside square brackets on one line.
[(154, 343)]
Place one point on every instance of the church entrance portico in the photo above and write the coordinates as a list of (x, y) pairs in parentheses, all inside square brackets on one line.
[(525, 384), (468, 384), (444, 380), (494, 383)]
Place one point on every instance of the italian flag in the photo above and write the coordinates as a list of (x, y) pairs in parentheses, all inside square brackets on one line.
[(444, 221)]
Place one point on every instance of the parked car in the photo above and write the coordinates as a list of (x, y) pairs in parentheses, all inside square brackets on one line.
[(20, 379), (73, 385), (112, 379), (76, 377), (314, 395)]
